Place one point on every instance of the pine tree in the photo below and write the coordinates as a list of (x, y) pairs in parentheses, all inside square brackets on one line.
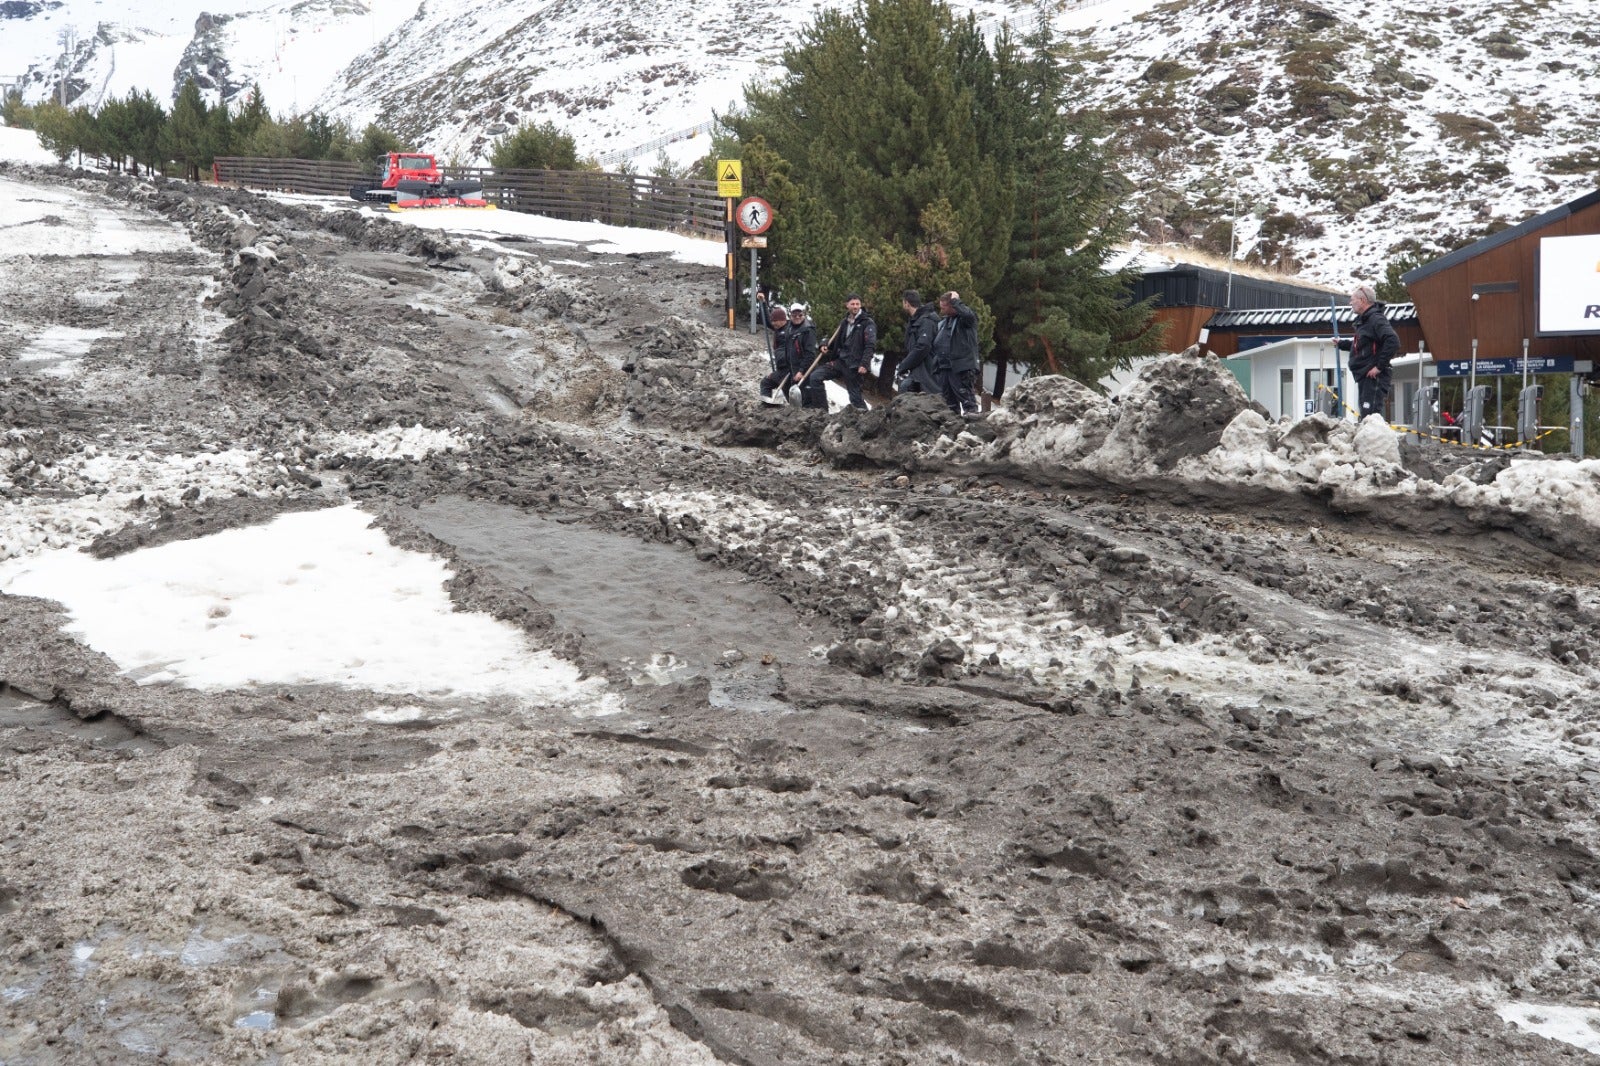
[(219, 136), (935, 266), (252, 116), (874, 113), (1058, 310), (52, 123), (810, 257), (114, 123), (186, 131), (86, 136), (536, 146), (15, 113), (376, 141)]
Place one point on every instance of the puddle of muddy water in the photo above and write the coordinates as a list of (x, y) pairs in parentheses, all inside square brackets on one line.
[(58, 351), (25, 714), (653, 609)]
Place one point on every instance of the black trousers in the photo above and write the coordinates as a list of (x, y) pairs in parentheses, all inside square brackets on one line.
[(846, 376), (958, 391), (774, 380), (1371, 393)]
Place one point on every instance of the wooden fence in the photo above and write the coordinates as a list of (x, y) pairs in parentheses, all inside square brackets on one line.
[(687, 204)]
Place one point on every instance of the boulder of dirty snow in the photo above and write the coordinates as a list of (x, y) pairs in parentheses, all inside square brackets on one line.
[(1376, 444), (1051, 421), (1175, 408)]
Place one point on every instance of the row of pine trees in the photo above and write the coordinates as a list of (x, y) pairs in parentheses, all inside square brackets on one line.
[(136, 132)]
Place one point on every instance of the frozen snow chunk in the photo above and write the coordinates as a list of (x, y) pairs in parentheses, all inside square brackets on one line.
[(510, 273), (1053, 396), (1176, 408), (1376, 443), (1578, 1026), (396, 442), (255, 253), (1249, 432)]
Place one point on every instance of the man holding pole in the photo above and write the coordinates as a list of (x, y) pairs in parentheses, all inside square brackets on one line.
[(1372, 350), (849, 352)]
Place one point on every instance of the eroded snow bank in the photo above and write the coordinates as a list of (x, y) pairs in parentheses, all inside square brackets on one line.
[(311, 598), (1185, 419)]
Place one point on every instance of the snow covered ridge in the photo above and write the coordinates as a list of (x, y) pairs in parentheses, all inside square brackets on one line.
[(1342, 138), (1346, 137)]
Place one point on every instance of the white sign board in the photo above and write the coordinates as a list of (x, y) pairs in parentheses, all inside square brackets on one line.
[(1569, 285)]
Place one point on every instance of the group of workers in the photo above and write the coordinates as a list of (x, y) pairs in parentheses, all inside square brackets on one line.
[(941, 352)]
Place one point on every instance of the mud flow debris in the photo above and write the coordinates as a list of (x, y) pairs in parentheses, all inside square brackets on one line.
[(661, 725)]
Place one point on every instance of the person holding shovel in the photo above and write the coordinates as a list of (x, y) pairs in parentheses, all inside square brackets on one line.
[(794, 350), (776, 319)]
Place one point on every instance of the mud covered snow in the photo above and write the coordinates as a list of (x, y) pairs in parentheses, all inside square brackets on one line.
[(423, 645)]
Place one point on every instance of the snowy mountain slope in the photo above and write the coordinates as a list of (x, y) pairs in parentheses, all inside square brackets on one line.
[(1348, 139), (613, 77), (292, 49), (1331, 140)]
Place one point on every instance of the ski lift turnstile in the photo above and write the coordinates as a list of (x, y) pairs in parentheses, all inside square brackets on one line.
[(1475, 427)]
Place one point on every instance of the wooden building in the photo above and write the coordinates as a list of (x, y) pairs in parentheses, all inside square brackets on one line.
[(1501, 272), (1187, 296)]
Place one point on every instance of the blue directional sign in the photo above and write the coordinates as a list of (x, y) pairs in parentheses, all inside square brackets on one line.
[(1489, 368)]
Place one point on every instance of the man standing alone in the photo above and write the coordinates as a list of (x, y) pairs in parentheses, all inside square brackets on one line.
[(956, 345), (1372, 349)]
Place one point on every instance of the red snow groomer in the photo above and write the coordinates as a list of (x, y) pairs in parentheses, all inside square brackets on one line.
[(413, 179)]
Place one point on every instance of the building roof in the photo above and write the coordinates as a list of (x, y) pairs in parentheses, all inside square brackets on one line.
[(1505, 236), (1191, 285), (1318, 318)]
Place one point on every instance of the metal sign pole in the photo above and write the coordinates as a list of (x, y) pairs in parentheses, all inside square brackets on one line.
[(1338, 370), (733, 248), (754, 281), (1422, 357), (1575, 426)]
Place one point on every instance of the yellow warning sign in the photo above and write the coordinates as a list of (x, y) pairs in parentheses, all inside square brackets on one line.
[(730, 179)]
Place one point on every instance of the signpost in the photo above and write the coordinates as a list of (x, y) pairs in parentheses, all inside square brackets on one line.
[(1545, 364), (754, 217), (730, 186)]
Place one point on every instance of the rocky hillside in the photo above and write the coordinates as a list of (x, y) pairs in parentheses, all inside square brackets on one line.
[(1346, 141)]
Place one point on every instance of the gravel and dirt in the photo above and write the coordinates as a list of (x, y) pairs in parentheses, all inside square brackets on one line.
[(1139, 732)]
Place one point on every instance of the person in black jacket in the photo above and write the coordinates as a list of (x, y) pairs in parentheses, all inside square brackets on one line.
[(916, 372), (955, 343), (794, 349), (776, 319), (848, 353), (1372, 349)]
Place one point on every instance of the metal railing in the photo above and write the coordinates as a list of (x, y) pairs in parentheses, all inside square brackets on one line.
[(623, 154), (688, 204)]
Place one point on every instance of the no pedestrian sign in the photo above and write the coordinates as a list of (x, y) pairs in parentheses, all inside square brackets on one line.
[(730, 179)]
